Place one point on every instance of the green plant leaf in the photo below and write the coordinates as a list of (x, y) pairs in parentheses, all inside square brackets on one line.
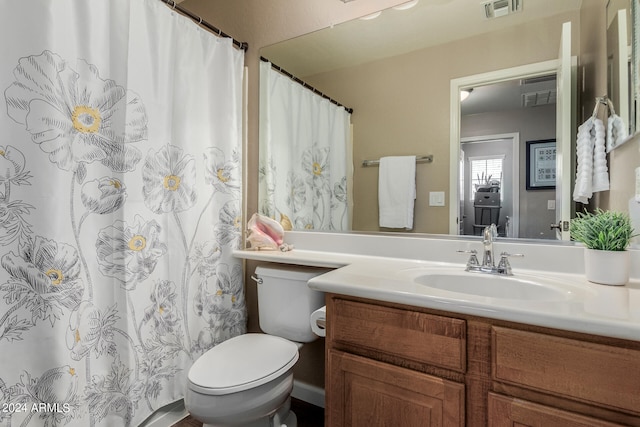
[(602, 230)]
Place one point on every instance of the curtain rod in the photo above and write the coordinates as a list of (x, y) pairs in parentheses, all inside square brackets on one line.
[(171, 3), (305, 84)]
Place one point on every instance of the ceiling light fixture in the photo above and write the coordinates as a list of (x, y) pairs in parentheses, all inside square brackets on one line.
[(464, 94), (373, 15), (407, 5)]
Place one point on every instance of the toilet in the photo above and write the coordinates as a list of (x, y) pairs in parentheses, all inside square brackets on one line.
[(247, 380)]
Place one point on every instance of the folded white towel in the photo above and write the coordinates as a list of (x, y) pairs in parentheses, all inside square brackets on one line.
[(582, 190), (616, 131), (396, 191), (592, 173), (600, 170)]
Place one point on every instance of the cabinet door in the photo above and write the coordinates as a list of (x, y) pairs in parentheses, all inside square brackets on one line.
[(365, 393), (509, 412)]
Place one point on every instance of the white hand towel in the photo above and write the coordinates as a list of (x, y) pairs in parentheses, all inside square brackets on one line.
[(592, 173), (616, 132), (397, 191), (600, 180), (585, 142)]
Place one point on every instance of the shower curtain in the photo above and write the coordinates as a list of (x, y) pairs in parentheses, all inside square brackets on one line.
[(120, 189), (305, 168)]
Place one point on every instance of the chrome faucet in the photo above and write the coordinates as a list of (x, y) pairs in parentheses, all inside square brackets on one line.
[(489, 235)]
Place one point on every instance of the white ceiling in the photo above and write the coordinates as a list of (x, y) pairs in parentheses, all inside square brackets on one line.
[(394, 32), (510, 95)]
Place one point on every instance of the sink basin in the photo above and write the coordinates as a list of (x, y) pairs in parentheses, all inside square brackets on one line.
[(494, 286)]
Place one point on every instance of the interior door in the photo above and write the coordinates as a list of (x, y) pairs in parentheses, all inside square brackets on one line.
[(462, 218), (491, 147), (565, 114)]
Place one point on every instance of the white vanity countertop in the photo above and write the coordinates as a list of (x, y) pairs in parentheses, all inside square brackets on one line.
[(612, 311), (301, 257)]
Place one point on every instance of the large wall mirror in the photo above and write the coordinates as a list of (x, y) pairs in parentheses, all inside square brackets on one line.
[(395, 70)]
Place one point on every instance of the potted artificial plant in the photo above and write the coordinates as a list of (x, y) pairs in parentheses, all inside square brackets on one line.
[(606, 236)]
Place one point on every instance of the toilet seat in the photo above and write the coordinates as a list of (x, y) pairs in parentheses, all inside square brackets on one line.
[(242, 363)]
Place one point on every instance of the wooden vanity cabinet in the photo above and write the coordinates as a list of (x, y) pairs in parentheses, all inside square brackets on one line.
[(395, 365)]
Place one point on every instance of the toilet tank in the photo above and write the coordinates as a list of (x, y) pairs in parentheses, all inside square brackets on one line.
[(285, 302)]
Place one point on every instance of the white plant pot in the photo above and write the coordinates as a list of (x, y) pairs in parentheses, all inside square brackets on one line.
[(607, 267)]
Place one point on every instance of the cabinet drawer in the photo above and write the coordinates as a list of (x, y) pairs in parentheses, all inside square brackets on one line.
[(419, 337), (508, 412), (589, 372)]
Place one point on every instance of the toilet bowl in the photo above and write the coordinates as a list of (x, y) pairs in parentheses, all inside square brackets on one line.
[(247, 380)]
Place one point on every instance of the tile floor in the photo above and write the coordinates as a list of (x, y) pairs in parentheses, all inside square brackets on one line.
[(308, 416)]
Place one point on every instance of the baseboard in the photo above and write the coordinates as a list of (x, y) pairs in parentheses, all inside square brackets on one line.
[(308, 393), (167, 415)]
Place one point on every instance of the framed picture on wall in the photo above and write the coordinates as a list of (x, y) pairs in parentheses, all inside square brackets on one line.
[(541, 164)]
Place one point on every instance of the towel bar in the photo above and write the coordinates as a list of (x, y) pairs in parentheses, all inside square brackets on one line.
[(419, 159)]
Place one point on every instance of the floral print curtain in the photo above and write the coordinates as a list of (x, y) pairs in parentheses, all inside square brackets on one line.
[(120, 194), (305, 153)]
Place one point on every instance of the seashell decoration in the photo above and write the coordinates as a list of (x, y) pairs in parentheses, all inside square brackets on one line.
[(265, 233)]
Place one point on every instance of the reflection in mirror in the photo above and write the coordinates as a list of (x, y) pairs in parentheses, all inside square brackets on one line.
[(304, 146), (619, 88), (635, 62), (395, 71), (521, 112), (533, 114)]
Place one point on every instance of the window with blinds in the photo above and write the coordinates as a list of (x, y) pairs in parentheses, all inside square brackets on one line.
[(484, 171)]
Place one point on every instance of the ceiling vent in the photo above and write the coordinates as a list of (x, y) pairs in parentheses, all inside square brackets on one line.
[(539, 79), (498, 8), (536, 99)]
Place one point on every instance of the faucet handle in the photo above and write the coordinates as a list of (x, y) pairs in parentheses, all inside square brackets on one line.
[(507, 255), (504, 267), (473, 259)]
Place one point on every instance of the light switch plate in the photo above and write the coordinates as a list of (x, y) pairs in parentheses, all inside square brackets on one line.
[(551, 205), (436, 198)]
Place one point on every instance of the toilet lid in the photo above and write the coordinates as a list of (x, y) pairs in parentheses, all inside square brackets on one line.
[(243, 362)]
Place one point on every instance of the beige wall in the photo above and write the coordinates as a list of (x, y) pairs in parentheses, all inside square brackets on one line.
[(622, 164)]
